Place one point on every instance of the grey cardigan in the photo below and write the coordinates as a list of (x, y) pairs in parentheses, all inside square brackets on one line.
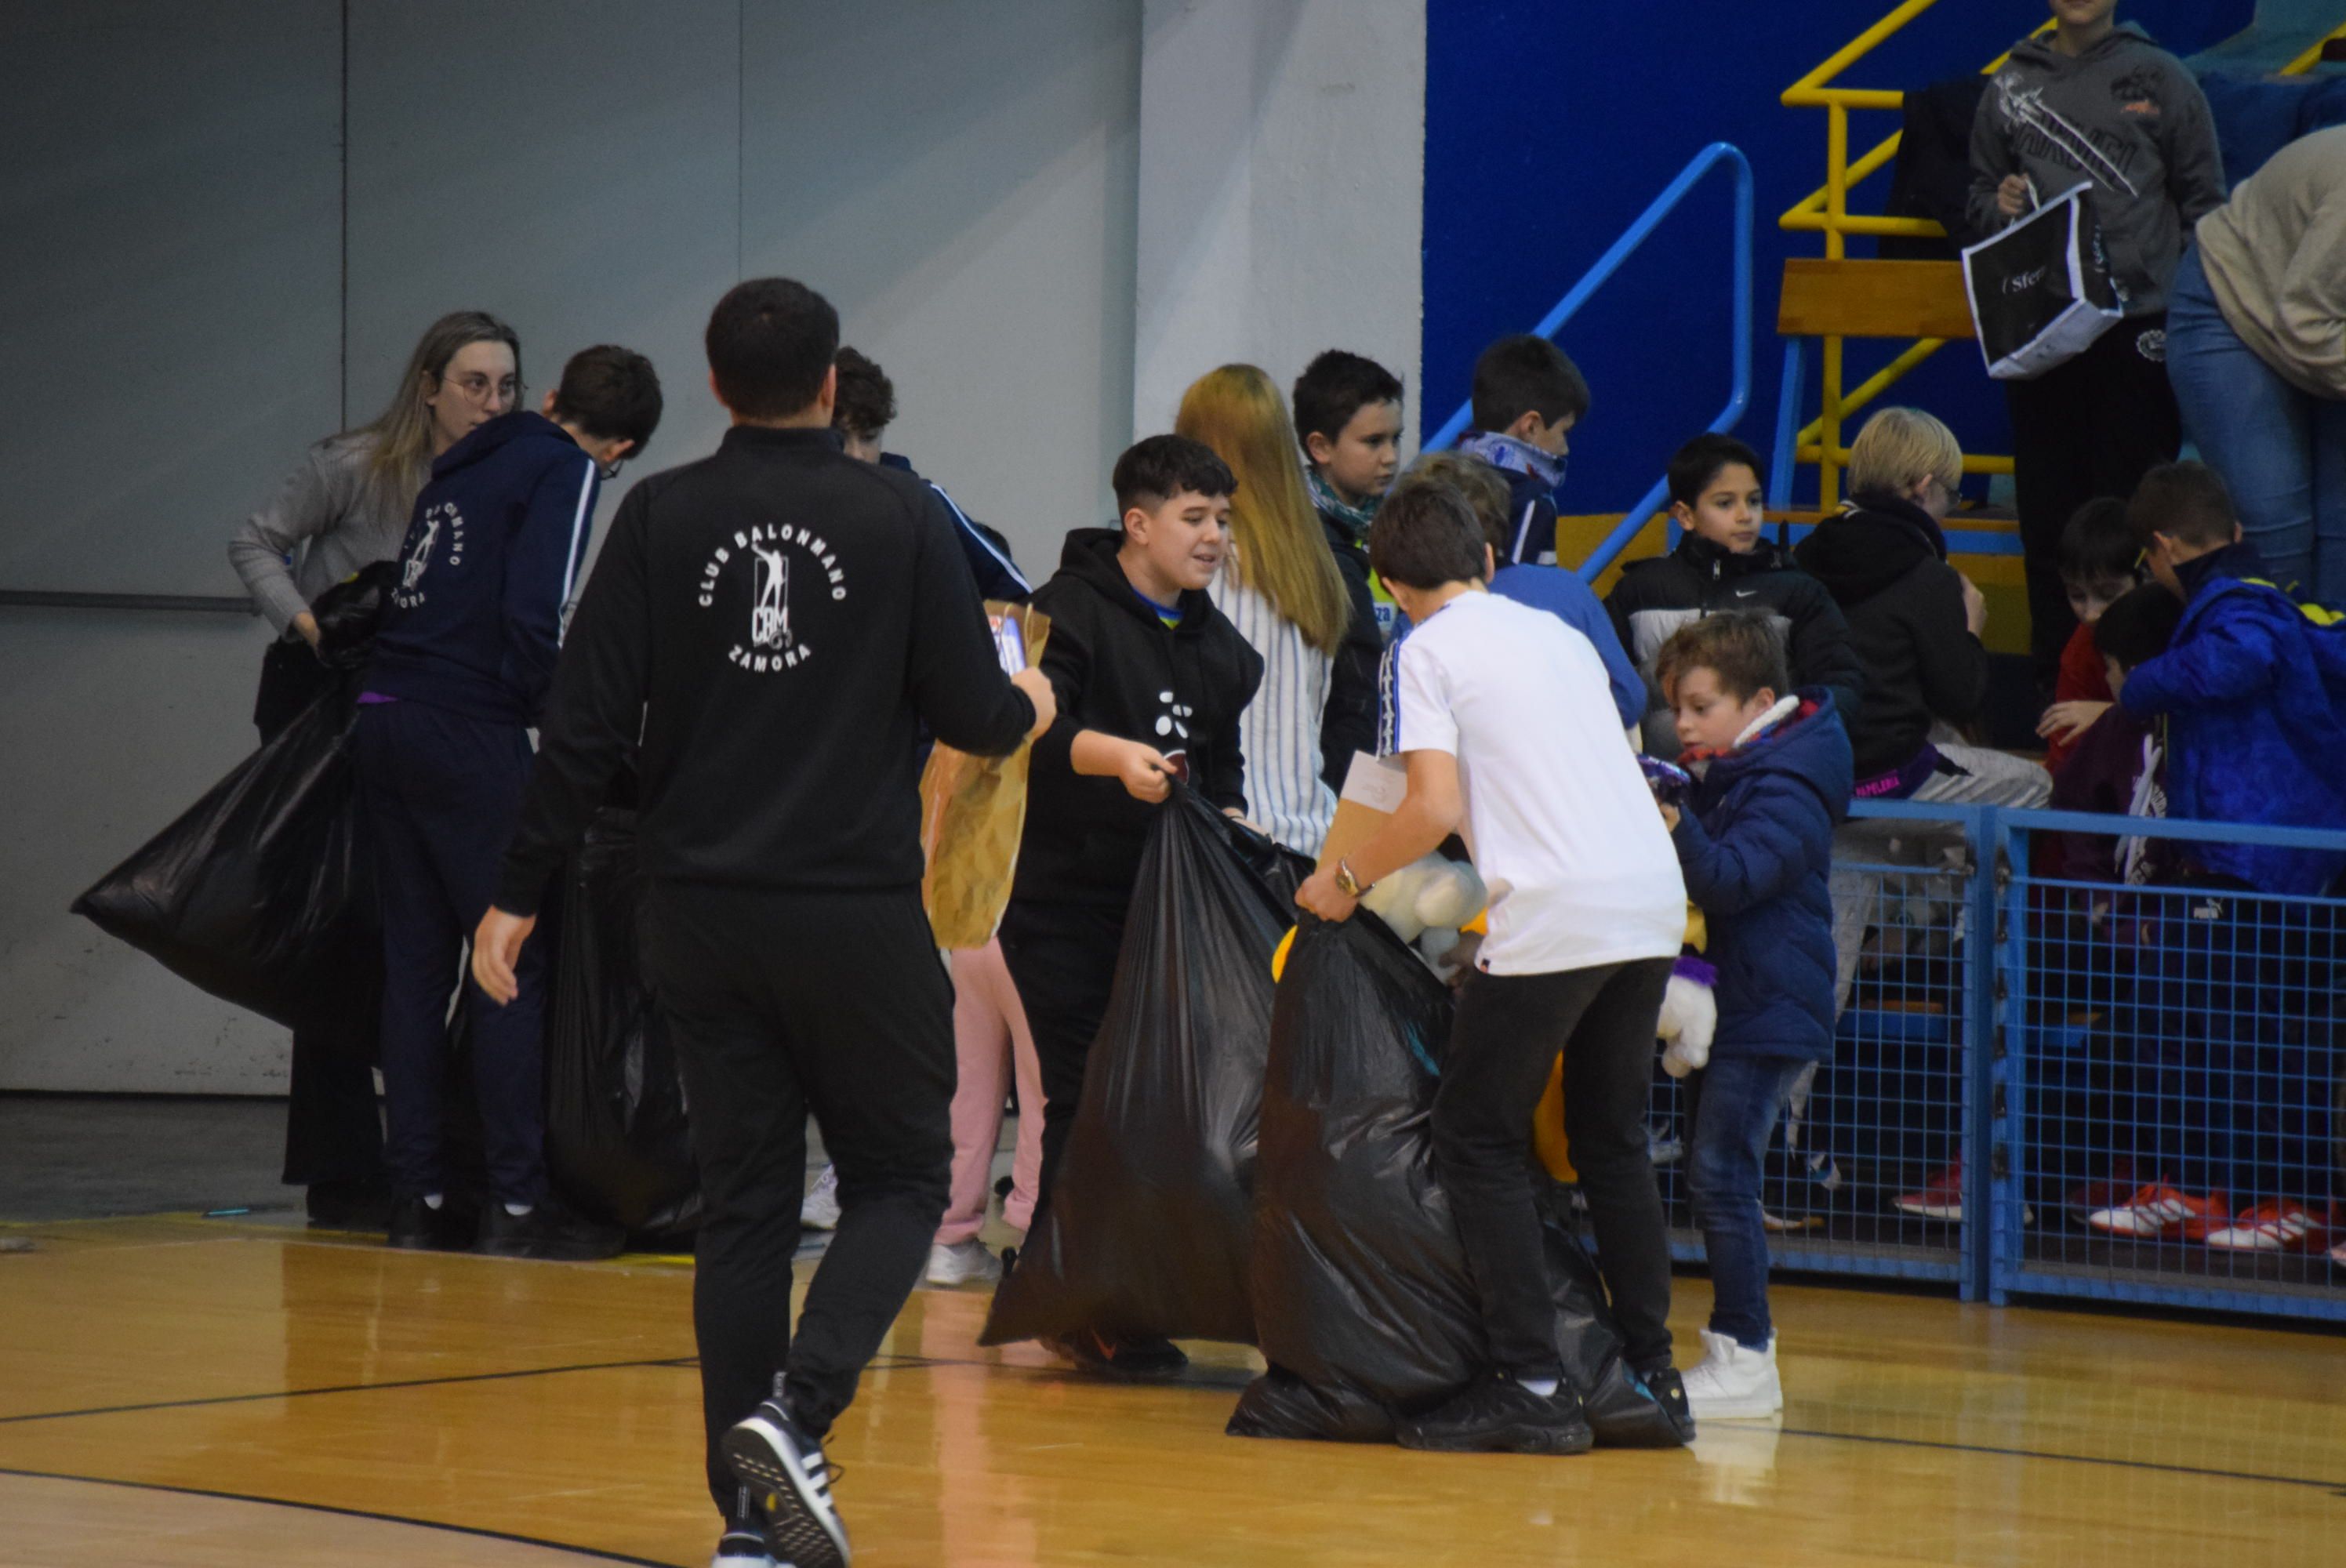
[(345, 522)]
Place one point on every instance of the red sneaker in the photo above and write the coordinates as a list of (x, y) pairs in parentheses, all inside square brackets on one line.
[(2159, 1211), (2280, 1227), (1941, 1198)]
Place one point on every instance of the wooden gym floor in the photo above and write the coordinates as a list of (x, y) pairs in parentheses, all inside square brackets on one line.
[(178, 1392)]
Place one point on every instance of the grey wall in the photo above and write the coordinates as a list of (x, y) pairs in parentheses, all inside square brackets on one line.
[(184, 316)]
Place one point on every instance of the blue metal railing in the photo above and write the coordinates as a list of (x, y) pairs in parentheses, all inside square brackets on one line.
[(1635, 235)]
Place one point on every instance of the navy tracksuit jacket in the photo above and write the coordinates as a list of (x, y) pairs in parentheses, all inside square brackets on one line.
[(461, 670)]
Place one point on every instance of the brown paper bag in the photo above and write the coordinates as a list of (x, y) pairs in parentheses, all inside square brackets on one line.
[(972, 812)]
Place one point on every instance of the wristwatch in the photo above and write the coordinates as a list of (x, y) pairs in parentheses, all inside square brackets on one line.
[(1348, 884)]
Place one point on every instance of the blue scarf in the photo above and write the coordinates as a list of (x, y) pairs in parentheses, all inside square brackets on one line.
[(1354, 520), (1506, 452)]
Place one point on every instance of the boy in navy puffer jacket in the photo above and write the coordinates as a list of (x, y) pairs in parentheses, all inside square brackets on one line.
[(1755, 842)]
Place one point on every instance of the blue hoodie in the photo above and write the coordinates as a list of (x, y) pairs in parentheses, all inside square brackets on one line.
[(1755, 842), (474, 620), (2254, 688)]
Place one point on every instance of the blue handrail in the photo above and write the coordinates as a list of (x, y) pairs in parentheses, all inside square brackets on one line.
[(1637, 234)]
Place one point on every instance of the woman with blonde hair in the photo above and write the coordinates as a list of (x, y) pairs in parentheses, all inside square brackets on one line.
[(1283, 591), (346, 507)]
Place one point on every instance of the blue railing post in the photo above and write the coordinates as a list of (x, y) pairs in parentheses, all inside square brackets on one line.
[(1637, 234), (1788, 432)]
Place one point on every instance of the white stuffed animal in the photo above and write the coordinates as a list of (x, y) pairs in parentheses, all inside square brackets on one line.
[(1689, 1017), (1425, 902)]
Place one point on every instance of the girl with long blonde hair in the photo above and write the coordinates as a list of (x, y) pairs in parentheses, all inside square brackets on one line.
[(1282, 589)]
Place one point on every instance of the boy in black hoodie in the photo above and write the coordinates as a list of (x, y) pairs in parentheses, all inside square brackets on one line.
[(460, 673), (1724, 562), (1150, 679)]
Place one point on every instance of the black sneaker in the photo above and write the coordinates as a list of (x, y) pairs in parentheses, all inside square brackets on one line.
[(361, 1204), (1150, 1357), (1669, 1391), (1496, 1414), (548, 1230), (789, 1487), (418, 1227), (741, 1547)]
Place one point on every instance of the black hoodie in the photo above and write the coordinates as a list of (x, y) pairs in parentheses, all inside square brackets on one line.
[(1884, 560), (1655, 598), (1118, 668)]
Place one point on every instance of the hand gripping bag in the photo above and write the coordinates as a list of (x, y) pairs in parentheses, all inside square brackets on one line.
[(262, 892), (1147, 1227), (1364, 1306), (617, 1139), (2041, 291)]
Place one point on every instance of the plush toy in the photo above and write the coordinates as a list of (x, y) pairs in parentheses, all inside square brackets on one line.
[(1431, 894), (1690, 1012)]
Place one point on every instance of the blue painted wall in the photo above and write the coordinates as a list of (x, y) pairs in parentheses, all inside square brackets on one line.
[(1550, 124)]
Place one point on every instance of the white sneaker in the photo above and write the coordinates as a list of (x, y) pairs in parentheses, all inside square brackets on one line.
[(1734, 1383), (742, 1549), (821, 1209), (962, 1263)]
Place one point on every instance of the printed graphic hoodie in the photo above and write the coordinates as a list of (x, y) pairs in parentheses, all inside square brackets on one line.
[(473, 622), (2129, 116), (775, 623), (1116, 667)]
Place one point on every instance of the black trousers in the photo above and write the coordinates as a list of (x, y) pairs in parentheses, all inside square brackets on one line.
[(781, 1004), (1062, 959), (333, 1127), (1507, 1033), (2091, 427)]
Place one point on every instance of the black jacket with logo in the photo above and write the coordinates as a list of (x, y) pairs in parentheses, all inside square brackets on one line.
[(1884, 560), (776, 622), (1118, 668), (1655, 598)]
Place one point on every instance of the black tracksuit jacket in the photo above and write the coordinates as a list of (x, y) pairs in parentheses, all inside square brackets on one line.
[(776, 622), (1115, 667)]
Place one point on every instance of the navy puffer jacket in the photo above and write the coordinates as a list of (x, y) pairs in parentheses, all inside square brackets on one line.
[(1756, 843)]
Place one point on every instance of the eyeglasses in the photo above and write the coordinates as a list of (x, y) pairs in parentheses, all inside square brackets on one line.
[(607, 472), (476, 388)]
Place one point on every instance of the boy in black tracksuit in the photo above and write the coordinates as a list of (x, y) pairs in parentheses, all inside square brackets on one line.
[(1724, 564), (460, 672), (776, 623), (1150, 679)]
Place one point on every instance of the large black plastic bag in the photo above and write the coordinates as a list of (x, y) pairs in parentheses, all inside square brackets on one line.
[(617, 1142), (262, 892), (1363, 1301), (1147, 1227)]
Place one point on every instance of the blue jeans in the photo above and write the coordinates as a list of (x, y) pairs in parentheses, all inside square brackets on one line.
[(2282, 451), (1738, 1101)]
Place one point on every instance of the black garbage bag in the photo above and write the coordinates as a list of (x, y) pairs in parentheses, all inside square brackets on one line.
[(1147, 1227), (262, 892), (1363, 1302), (616, 1143)]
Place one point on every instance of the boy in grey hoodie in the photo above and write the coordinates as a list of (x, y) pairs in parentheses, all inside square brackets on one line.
[(2099, 104)]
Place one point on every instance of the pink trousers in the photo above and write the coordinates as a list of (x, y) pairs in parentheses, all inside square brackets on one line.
[(990, 1042)]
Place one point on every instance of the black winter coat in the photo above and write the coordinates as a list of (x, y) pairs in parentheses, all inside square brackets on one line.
[(1656, 597), (1885, 562)]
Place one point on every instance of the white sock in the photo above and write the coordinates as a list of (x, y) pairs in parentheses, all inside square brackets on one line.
[(433, 1200), (519, 1210), (1544, 1387)]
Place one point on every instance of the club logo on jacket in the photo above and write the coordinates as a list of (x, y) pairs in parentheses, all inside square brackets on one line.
[(778, 562), (438, 519)]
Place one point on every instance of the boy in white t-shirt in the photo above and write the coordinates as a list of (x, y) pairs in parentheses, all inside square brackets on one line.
[(1507, 727)]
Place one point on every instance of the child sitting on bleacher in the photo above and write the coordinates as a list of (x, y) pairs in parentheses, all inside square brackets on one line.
[(2099, 561), (1755, 843), (2115, 768), (1725, 562)]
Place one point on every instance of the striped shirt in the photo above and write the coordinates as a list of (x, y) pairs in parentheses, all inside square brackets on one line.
[(1279, 731)]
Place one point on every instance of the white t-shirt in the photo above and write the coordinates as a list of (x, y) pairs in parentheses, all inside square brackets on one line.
[(1560, 818)]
